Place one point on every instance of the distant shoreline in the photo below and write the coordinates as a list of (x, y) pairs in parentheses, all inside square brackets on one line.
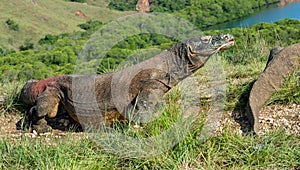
[(286, 2)]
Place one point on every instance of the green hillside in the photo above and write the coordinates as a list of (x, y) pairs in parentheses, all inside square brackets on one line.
[(35, 18)]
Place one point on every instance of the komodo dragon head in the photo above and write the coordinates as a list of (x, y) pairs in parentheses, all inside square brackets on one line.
[(197, 50), (33, 88), (27, 95)]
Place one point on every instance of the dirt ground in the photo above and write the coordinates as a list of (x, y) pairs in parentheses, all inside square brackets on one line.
[(62, 126), (271, 118)]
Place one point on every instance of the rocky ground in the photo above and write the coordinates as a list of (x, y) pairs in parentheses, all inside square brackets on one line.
[(271, 118)]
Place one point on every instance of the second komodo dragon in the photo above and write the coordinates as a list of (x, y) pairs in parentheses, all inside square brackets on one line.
[(94, 98)]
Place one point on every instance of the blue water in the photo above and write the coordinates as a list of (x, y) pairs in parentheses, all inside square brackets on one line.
[(270, 15)]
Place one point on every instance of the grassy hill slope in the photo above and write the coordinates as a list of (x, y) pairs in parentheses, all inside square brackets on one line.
[(39, 17)]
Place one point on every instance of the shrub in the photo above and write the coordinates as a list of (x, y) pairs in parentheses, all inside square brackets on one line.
[(122, 5), (12, 25), (90, 25), (81, 1), (27, 45)]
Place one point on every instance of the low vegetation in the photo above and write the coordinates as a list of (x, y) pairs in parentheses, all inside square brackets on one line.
[(277, 150), (57, 54), (12, 25)]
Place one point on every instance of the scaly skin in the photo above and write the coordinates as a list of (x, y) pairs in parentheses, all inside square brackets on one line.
[(98, 99), (282, 62)]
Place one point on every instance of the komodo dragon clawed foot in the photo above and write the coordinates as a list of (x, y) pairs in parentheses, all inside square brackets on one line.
[(33, 123), (41, 126)]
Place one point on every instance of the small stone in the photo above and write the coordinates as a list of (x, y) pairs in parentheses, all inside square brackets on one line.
[(34, 134), (45, 134), (136, 126)]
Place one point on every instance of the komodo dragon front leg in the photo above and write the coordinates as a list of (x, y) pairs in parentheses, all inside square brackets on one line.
[(149, 101), (149, 87)]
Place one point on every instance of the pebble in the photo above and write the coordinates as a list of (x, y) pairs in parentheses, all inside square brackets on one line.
[(270, 118), (34, 134)]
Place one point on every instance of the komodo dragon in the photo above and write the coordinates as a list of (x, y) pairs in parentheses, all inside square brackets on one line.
[(281, 62), (146, 83)]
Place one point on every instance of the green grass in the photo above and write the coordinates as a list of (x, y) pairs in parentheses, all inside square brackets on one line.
[(47, 17), (289, 91), (10, 92), (228, 151)]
